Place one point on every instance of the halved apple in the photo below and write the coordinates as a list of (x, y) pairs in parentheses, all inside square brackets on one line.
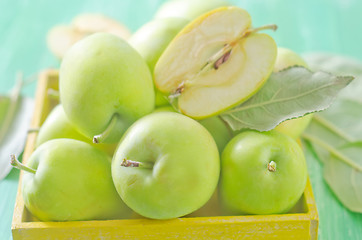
[(216, 62)]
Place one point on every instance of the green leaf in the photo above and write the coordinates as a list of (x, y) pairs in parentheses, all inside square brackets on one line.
[(14, 123), (288, 94), (346, 180), (336, 136), (343, 171), (339, 65), (4, 106)]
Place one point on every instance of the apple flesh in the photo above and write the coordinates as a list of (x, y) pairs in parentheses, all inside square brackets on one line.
[(188, 9), (215, 63), (57, 125), (105, 86), (166, 166), (71, 180), (152, 39), (293, 127), (262, 173)]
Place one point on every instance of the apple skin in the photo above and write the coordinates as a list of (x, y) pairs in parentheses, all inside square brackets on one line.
[(72, 182), (185, 169), (188, 9), (101, 78), (293, 127), (218, 129), (152, 39), (247, 186), (57, 125)]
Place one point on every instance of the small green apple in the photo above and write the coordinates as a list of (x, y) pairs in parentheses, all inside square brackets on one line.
[(188, 9), (152, 39), (262, 173), (69, 180), (57, 125), (105, 86), (215, 63), (293, 127), (166, 166)]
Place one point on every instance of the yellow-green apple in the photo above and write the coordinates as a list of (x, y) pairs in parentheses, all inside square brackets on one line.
[(188, 9), (166, 166), (293, 127), (215, 63), (105, 85), (262, 173), (95, 22), (57, 125), (61, 37), (152, 39), (69, 180)]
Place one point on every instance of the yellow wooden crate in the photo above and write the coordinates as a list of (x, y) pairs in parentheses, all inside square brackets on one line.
[(300, 223)]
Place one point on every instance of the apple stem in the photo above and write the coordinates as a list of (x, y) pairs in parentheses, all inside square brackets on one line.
[(272, 166), (273, 27), (130, 163), (15, 163), (101, 137)]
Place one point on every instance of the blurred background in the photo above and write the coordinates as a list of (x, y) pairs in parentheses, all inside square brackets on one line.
[(332, 26)]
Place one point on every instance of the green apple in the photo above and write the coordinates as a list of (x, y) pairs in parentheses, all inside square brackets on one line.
[(188, 9), (57, 125), (152, 39), (105, 85), (219, 130), (166, 166), (69, 180), (262, 173), (293, 127), (215, 63)]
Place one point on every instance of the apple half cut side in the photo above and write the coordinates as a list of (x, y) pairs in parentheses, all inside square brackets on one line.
[(215, 63)]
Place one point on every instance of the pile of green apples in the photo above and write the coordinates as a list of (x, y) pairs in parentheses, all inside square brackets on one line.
[(137, 130)]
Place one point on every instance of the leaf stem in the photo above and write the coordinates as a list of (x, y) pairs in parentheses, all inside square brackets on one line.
[(327, 124), (333, 151), (15, 163)]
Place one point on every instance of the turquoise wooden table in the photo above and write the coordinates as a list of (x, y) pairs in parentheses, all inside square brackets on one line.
[(304, 26)]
